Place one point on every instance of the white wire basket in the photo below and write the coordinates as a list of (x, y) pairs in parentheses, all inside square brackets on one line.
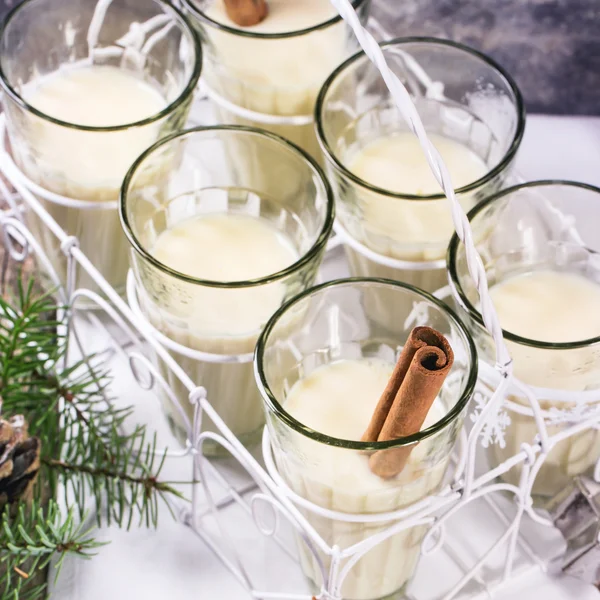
[(483, 532)]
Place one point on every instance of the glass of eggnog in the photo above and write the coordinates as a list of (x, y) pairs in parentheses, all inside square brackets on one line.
[(392, 215), (87, 87), (539, 244), (217, 246), (322, 364), (273, 68)]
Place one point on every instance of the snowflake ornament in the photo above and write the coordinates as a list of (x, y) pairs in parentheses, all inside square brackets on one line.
[(495, 427)]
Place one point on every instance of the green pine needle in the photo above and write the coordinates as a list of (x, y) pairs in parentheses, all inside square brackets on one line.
[(29, 538), (86, 454)]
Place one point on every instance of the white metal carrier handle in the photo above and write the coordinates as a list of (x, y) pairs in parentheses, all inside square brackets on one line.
[(461, 223)]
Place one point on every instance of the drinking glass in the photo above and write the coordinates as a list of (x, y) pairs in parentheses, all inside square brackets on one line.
[(342, 320), (76, 170), (461, 95), (278, 183), (542, 225), (274, 74)]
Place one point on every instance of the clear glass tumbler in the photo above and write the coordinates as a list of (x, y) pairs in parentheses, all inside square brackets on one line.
[(462, 96), (208, 320), (275, 68), (343, 320), (75, 169), (538, 226)]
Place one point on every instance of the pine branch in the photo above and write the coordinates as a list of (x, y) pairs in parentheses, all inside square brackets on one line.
[(29, 538), (150, 484), (28, 339), (119, 470), (88, 434), (29, 343), (86, 450), (124, 483)]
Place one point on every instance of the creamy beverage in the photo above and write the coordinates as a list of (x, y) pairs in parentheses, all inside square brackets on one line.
[(338, 400), (416, 230), (552, 307), (87, 87), (390, 225), (397, 163), (216, 250), (344, 393), (280, 77), (294, 69), (549, 306), (222, 320), (87, 165)]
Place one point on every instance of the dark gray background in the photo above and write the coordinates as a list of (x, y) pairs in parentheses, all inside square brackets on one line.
[(551, 47)]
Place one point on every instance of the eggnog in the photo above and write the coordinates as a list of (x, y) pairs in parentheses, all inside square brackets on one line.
[(472, 113), (416, 230), (291, 71), (86, 165), (551, 307), (277, 77), (338, 400), (397, 164), (222, 320)]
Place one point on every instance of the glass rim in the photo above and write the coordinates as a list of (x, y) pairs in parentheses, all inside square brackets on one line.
[(202, 16), (319, 243), (455, 285), (506, 159), (276, 407), (187, 91)]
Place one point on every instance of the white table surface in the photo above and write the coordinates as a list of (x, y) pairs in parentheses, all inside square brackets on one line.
[(171, 563)]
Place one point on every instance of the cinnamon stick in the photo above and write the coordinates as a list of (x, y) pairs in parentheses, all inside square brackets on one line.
[(246, 12), (418, 376)]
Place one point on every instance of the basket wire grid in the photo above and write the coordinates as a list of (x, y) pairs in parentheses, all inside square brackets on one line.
[(256, 488)]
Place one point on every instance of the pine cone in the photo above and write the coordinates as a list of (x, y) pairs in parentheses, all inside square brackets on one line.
[(19, 461)]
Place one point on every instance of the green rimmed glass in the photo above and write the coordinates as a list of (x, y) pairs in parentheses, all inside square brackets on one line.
[(267, 178), (76, 170), (275, 75), (359, 319), (541, 225), (461, 95)]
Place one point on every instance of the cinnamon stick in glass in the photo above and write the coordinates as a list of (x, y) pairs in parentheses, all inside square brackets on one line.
[(418, 376), (246, 12)]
